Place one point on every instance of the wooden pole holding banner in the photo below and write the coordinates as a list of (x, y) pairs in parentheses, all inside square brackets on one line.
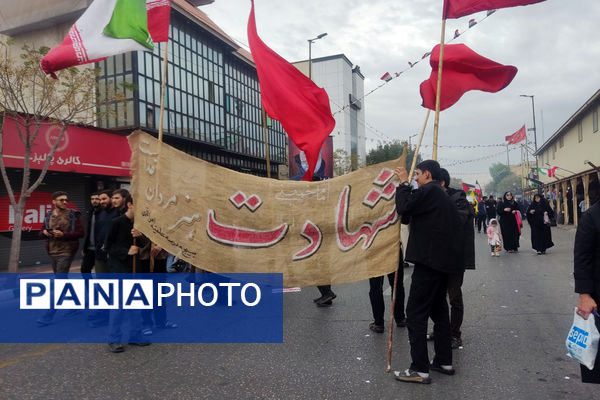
[(436, 123), (266, 135), (391, 327)]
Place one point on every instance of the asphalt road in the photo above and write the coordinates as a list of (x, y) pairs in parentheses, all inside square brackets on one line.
[(518, 311)]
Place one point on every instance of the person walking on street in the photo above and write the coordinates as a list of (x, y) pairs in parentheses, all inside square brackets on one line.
[(494, 238), (539, 215), (433, 218), (63, 229), (482, 216), (586, 270), (378, 302), (490, 209), (507, 210), (89, 248)]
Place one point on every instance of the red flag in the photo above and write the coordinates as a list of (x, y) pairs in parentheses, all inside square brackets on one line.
[(386, 77), (516, 137), (552, 172), (159, 17), (293, 99), (460, 8), (463, 70)]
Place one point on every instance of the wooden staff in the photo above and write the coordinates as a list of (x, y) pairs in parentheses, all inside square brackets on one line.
[(391, 329), (265, 132), (437, 94)]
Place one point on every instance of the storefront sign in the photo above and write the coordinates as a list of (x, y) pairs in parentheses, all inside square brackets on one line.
[(81, 150)]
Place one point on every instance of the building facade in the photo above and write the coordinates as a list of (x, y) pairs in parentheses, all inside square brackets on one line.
[(575, 150), (344, 83), (212, 108)]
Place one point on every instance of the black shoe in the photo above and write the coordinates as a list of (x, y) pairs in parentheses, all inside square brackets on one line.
[(140, 344), (116, 348), (43, 322), (456, 343), (401, 323), (318, 299), (326, 304), (446, 369), (376, 328), (326, 298), (412, 376)]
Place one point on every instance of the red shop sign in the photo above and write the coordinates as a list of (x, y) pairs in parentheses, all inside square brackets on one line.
[(82, 150), (36, 207)]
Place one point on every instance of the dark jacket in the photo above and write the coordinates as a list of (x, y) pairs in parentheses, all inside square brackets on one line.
[(433, 218), (101, 229), (88, 233), (119, 239), (465, 230), (490, 208), (587, 253), (72, 236)]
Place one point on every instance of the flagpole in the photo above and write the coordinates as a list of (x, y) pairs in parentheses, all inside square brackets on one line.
[(163, 86), (437, 94), (391, 327), (267, 156), (507, 161)]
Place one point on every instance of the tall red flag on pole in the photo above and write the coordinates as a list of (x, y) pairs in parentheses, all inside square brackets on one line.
[(517, 137), (159, 18), (460, 8), (463, 70), (293, 99)]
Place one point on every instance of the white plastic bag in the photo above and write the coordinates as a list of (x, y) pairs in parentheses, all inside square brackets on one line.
[(582, 341)]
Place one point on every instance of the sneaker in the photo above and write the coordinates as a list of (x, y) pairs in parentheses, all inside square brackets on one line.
[(326, 298), (116, 348), (412, 376), (401, 323), (325, 304), (456, 342), (497, 254), (430, 336), (539, 253), (444, 369), (376, 328)]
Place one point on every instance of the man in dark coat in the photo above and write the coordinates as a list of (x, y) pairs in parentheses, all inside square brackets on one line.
[(465, 234), (587, 270), (490, 208), (89, 247), (433, 218)]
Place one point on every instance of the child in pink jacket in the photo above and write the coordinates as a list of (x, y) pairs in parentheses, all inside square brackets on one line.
[(494, 237)]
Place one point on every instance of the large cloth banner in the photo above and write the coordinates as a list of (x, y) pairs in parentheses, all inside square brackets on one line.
[(335, 231)]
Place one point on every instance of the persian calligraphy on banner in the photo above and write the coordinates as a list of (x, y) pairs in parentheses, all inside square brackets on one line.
[(339, 230)]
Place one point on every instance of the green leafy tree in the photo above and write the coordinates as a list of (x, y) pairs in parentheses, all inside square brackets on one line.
[(29, 96), (498, 172), (391, 151)]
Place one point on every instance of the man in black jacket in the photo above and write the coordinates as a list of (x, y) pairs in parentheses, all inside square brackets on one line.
[(433, 218), (465, 235), (587, 269), (89, 248)]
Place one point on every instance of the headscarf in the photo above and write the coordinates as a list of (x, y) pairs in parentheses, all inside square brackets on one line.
[(505, 200)]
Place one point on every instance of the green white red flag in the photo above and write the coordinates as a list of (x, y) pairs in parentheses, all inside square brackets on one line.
[(108, 28), (549, 172)]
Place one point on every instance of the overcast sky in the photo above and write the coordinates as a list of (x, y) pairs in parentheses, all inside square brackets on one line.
[(554, 44)]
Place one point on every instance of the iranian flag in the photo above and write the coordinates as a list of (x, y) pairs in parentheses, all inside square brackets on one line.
[(108, 28), (549, 172)]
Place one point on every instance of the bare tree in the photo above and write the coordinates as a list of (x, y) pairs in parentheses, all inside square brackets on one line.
[(32, 100)]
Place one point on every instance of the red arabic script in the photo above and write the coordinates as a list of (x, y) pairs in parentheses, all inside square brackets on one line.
[(243, 237), (347, 240), (311, 232)]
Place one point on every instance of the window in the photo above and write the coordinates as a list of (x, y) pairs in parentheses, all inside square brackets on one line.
[(561, 142), (595, 120), (554, 151), (580, 132)]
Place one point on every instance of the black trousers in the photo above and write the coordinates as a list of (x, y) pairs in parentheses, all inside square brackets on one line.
[(427, 299), (89, 259), (376, 295), (324, 289), (457, 307), (158, 315), (480, 221)]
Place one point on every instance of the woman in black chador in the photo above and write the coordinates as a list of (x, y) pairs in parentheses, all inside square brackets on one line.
[(507, 209), (541, 237)]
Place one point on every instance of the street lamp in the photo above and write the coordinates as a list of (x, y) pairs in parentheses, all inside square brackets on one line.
[(310, 42), (534, 130)]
